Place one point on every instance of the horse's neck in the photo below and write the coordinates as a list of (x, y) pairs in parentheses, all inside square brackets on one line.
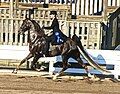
[(32, 27), (35, 26), (33, 30), (32, 36)]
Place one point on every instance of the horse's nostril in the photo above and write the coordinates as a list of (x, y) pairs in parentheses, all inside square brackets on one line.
[(18, 31)]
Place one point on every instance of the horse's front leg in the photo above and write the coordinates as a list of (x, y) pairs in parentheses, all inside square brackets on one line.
[(23, 61), (35, 59)]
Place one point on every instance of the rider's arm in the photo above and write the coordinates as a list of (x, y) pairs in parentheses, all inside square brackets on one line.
[(49, 27), (52, 25)]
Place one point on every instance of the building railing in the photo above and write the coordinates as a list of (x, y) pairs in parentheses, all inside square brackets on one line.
[(78, 7)]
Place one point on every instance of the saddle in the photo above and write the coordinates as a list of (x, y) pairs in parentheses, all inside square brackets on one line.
[(52, 47), (71, 44)]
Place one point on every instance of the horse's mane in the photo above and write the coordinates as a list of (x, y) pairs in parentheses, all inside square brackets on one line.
[(37, 26)]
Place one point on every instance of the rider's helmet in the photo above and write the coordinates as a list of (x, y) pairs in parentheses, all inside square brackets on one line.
[(53, 12)]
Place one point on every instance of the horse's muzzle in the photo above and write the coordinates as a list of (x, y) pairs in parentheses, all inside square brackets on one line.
[(20, 31)]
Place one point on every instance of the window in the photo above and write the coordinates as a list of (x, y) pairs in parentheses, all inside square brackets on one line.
[(85, 30), (80, 30)]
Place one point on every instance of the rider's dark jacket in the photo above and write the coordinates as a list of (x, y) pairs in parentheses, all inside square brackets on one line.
[(56, 33)]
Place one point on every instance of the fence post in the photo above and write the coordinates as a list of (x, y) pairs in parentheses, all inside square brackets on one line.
[(46, 1), (91, 7), (51, 67), (1, 33), (78, 7), (99, 37), (16, 3), (117, 71), (82, 7), (11, 8), (105, 4), (118, 2), (11, 21), (6, 31)]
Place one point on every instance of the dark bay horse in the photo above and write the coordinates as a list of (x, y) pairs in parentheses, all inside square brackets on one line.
[(38, 45)]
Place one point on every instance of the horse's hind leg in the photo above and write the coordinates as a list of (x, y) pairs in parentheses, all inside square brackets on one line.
[(82, 64), (65, 66), (85, 67), (23, 61)]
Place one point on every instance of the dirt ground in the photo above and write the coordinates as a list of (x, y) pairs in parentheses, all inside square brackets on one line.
[(19, 84)]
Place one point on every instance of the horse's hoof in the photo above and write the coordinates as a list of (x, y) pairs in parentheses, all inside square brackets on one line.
[(38, 70), (43, 67), (55, 77), (88, 80), (14, 71), (90, 75)]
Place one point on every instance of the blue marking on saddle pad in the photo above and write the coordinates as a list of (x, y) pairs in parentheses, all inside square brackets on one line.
[(58, 38)]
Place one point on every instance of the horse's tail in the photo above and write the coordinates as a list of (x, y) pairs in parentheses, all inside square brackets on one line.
[(87, 56)]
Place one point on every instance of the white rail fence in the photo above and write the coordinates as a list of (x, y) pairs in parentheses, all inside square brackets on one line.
[(109, 59), (89, 32)]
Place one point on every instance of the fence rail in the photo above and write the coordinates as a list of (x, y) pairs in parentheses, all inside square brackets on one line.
[(87, 22), (101, 57)]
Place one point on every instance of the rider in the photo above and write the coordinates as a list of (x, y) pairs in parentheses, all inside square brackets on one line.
[(57, 36)]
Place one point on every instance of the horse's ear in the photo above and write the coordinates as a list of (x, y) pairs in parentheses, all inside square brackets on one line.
[(26, 16)]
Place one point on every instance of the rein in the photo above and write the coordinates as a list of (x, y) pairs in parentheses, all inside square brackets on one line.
[(36, 31)]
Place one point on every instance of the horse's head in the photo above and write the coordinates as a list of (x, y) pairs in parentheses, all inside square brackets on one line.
[(25, 26)]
